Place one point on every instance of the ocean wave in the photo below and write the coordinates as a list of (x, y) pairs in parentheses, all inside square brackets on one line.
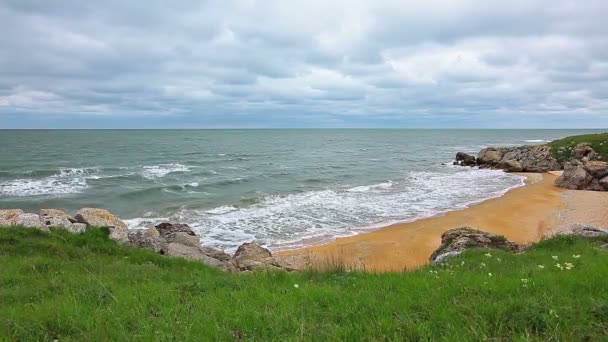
[(60, 182), (283, 221), (158, 171), (536, 140)]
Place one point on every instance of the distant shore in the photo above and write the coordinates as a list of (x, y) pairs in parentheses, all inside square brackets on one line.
[(524, 215)]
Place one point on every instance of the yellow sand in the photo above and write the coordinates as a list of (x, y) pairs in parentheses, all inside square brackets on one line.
[(523, 215)]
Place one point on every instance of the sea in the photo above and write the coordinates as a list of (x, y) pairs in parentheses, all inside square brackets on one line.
[(283, 188)]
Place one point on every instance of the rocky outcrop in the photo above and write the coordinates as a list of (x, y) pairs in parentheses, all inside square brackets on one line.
[(513, 159), (101, 218), (584, 151), (457, 240), (8, 216), (464, 159), (519, 159), (589, 175), (29, 220)]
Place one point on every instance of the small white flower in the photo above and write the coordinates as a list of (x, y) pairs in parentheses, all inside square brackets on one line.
[(576, 256), (559, 266), (555, 257), (462, 263), (524, 280), (483, 264), (569, 266), (498, 259), (488, 255), (489, 274), (296, 285), (541, 267)]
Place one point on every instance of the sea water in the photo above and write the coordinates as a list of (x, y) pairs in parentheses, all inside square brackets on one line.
[(283, 188)]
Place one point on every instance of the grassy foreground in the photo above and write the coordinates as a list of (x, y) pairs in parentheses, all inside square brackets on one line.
[(599, 143), (87, 288)]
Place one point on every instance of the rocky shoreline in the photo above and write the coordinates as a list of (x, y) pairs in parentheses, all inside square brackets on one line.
[(583, 171), (169, 239)]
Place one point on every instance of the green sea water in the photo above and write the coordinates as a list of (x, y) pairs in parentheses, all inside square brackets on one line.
[(283, 188)]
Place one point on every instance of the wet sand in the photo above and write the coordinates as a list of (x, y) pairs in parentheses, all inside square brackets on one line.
[(523, 215)]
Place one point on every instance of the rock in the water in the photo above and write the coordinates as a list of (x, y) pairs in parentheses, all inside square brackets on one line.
[(29, 220), (102, 218), (457, 240), (464, 159), (7, 216), (56, 219), (584, 230), (145, 238)]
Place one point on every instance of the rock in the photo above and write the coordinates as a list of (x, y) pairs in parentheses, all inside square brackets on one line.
[(457, 240), (589, 175), (102, 218), (178, 233), (584, 150), (604, 183), (29, 220), (584, 230), (575, 177), (56, 218), (145, 238), (195, 253), (510, 166), (216, 254), (7, 216), (519, 159), (464, 159), (253, 257), (77, 228), (597, 169), (489, 156)]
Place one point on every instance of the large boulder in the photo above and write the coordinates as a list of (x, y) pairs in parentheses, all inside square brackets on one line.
[(94, 217), (145, 238), (490, 156), (464, 159), (590, 175), (53, 218), (253, 257), (29, 220), (178, 233), (510, 165), (457, 240), (8, 216)]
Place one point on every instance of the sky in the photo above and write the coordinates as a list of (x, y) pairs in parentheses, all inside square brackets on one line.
[(312, 63)]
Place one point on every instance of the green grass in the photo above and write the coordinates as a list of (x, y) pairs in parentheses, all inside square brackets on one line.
[(87, 288), (599, 143)]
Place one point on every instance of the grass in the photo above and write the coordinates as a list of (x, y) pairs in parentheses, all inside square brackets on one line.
[(599, 143), (58, 286)]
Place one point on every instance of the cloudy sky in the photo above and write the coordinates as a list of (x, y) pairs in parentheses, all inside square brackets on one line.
[(311, 63)]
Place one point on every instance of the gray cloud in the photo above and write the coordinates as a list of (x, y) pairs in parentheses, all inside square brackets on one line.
[(304, 63)]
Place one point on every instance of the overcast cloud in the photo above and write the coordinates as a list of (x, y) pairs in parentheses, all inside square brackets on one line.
[(380, 63)]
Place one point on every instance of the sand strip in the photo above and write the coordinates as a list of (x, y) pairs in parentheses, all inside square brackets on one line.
[(523, 215)]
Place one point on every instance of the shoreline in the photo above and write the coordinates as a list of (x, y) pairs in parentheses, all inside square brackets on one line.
[(524, 214)]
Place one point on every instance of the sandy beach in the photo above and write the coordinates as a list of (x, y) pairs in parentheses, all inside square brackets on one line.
[(523, 215)]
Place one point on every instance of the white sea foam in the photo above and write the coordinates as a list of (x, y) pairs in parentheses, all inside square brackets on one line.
[(159, 171), (65, 181), (536, 140), (291, 220)]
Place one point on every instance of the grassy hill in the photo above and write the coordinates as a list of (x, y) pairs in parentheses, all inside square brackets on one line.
[(86, 287), (599, 143)]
